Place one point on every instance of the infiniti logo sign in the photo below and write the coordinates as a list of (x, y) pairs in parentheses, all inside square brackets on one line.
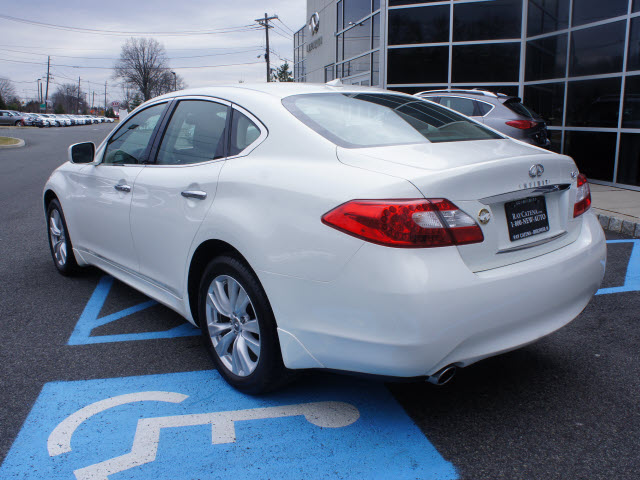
[(314, 23), (536, 170)]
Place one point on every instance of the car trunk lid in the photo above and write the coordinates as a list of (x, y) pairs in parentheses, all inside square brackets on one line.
[(489, 176)]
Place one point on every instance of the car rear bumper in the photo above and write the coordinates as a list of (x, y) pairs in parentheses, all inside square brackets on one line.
[(408, 313)]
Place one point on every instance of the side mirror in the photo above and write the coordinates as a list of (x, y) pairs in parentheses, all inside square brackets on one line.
[(82, 152)]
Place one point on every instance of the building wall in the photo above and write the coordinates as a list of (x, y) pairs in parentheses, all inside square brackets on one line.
[(576, 62)]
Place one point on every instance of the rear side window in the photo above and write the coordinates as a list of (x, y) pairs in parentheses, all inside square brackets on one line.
[(515, 106), (243, 133), (356, 120), (195, 133), (483, 108), (463, 105)]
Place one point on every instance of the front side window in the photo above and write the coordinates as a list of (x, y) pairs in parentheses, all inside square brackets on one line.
[(129, 144), (355, 120), (195, 133)]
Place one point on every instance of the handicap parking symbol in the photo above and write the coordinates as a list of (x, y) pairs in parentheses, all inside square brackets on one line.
[(90, 320), (632, 277), (193, 425)]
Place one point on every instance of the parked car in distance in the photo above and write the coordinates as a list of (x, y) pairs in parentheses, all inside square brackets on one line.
[(30, 119), (11, 118), (347, 228), (502, 112)]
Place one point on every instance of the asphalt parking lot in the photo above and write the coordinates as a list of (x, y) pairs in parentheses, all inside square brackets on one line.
[(85, 362)]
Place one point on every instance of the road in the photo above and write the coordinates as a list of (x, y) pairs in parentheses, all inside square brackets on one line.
[(566, 407)]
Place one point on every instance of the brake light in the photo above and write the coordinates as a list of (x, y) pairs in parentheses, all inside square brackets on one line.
[(522, 124), (413, 223), (583, 196)]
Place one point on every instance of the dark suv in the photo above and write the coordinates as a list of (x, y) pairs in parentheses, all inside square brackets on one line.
[(502, 112)]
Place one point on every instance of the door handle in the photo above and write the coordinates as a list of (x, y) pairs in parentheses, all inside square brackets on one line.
[(197, 194), (122, 187)]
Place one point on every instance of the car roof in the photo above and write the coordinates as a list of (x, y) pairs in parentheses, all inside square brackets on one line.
[(273, 89)]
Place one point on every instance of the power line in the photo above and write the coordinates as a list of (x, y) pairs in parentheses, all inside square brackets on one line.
[(287, 27), (117, 58), (111, 68), (237, 29)]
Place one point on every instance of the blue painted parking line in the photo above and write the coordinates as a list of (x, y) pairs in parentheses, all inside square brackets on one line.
[(193, 425), (632, 278), (90, 320)]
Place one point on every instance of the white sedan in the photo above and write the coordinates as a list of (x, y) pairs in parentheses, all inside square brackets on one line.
[(345, 228)]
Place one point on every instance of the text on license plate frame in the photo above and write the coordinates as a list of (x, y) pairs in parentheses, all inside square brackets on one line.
[(526, 217)]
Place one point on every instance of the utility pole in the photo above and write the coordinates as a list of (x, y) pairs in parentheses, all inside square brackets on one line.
[(46, 98), (265, 23), (78, 98), (38, 90), (175, 81), (105, 98), (93, 101)]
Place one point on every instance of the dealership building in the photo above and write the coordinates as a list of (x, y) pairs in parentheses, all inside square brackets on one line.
[(576, 62)]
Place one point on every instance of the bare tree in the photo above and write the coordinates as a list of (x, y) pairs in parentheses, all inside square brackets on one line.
[(168, 83), (7, 90), (67, 98), (143, 63)]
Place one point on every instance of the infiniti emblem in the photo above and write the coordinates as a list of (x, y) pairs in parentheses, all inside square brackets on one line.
[(484, 216), (536, 170)]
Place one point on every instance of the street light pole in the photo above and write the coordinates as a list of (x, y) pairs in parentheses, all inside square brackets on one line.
[(175, 81)]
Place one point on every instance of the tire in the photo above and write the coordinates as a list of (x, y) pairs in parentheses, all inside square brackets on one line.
[(19, 123), (235, 332), (59, 241)]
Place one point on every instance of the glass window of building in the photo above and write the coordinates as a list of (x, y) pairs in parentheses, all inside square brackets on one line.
[(546, 16), (395, 3), (498, 19), (418, 65), (419, 25), (546, 58), (597, 50), (593, 103), (629, 160), (329, 73), (587, 11), (355, 10), (494, 62), (636, 6), (633, 60), (340, 14), (375, 34), (376, 5), (357, 39), (594, 153), (547, 100), (631, 110), (375, 69)]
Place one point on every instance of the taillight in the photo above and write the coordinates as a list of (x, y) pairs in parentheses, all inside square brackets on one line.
[(522, 124), (583, 196), (415, 223)]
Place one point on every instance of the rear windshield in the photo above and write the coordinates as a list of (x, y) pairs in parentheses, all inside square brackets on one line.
[(357, 120)]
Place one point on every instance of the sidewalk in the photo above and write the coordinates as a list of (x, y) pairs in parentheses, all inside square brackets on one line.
[(617, 209)]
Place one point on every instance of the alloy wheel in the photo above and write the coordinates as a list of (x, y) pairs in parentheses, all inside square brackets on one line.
[(233, 326), (58, 237)]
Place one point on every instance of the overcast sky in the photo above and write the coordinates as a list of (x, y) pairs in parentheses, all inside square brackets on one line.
[(21, 43)]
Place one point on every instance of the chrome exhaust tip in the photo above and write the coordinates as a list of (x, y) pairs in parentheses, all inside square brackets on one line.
[(443, 376)]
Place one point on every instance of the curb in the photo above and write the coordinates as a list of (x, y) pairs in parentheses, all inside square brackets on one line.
[(619, 225), (16, 145)]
